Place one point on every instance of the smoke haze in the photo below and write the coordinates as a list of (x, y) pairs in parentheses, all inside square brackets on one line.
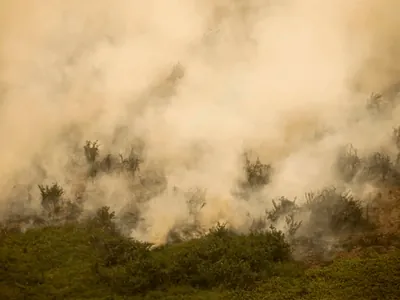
[(199, 82)]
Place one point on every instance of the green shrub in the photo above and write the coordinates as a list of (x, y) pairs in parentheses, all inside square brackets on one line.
[(49, 263), (376, 277), (225, 258), (92, 262), (220, 258)]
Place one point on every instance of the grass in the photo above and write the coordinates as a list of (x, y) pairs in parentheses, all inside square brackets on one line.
[(88, 262)]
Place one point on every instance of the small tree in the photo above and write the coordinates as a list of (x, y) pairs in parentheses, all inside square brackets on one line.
[(52, 201)]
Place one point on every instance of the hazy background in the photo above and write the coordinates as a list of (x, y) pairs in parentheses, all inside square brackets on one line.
[(286, 79)]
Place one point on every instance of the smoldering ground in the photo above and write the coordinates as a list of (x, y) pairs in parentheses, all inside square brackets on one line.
[(199, 82)]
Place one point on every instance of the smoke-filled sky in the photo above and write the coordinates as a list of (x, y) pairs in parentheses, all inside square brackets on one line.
[(270, 76)]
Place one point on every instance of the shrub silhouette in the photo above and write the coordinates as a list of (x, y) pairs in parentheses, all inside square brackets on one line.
[(334, 211), (377, 167), (52, 201), (281, 209), (131, 163), (285, 209), (55, 207), (257, 173), (348, 163), (256, 176), (91, 150)]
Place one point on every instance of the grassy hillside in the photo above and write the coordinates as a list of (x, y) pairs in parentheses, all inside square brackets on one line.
[(346, 249), (89, 261)]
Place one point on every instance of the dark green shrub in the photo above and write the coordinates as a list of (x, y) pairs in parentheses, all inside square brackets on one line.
[(129, 267), (225, 258), (221, 258)]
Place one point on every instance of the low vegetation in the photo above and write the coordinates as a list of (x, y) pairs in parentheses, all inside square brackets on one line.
[(346, 248)]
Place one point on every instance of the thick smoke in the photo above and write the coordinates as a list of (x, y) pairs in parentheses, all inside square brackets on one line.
[(199, 82)]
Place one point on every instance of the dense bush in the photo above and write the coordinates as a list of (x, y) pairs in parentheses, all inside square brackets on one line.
[(222, 258)]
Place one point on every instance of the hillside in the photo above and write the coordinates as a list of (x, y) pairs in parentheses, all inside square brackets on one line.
[(344, 249), (92, 261)]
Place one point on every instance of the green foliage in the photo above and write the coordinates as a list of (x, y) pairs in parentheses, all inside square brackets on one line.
[(376, 277), (128, 267), (221, 258), (81, 262), (48, 263)]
